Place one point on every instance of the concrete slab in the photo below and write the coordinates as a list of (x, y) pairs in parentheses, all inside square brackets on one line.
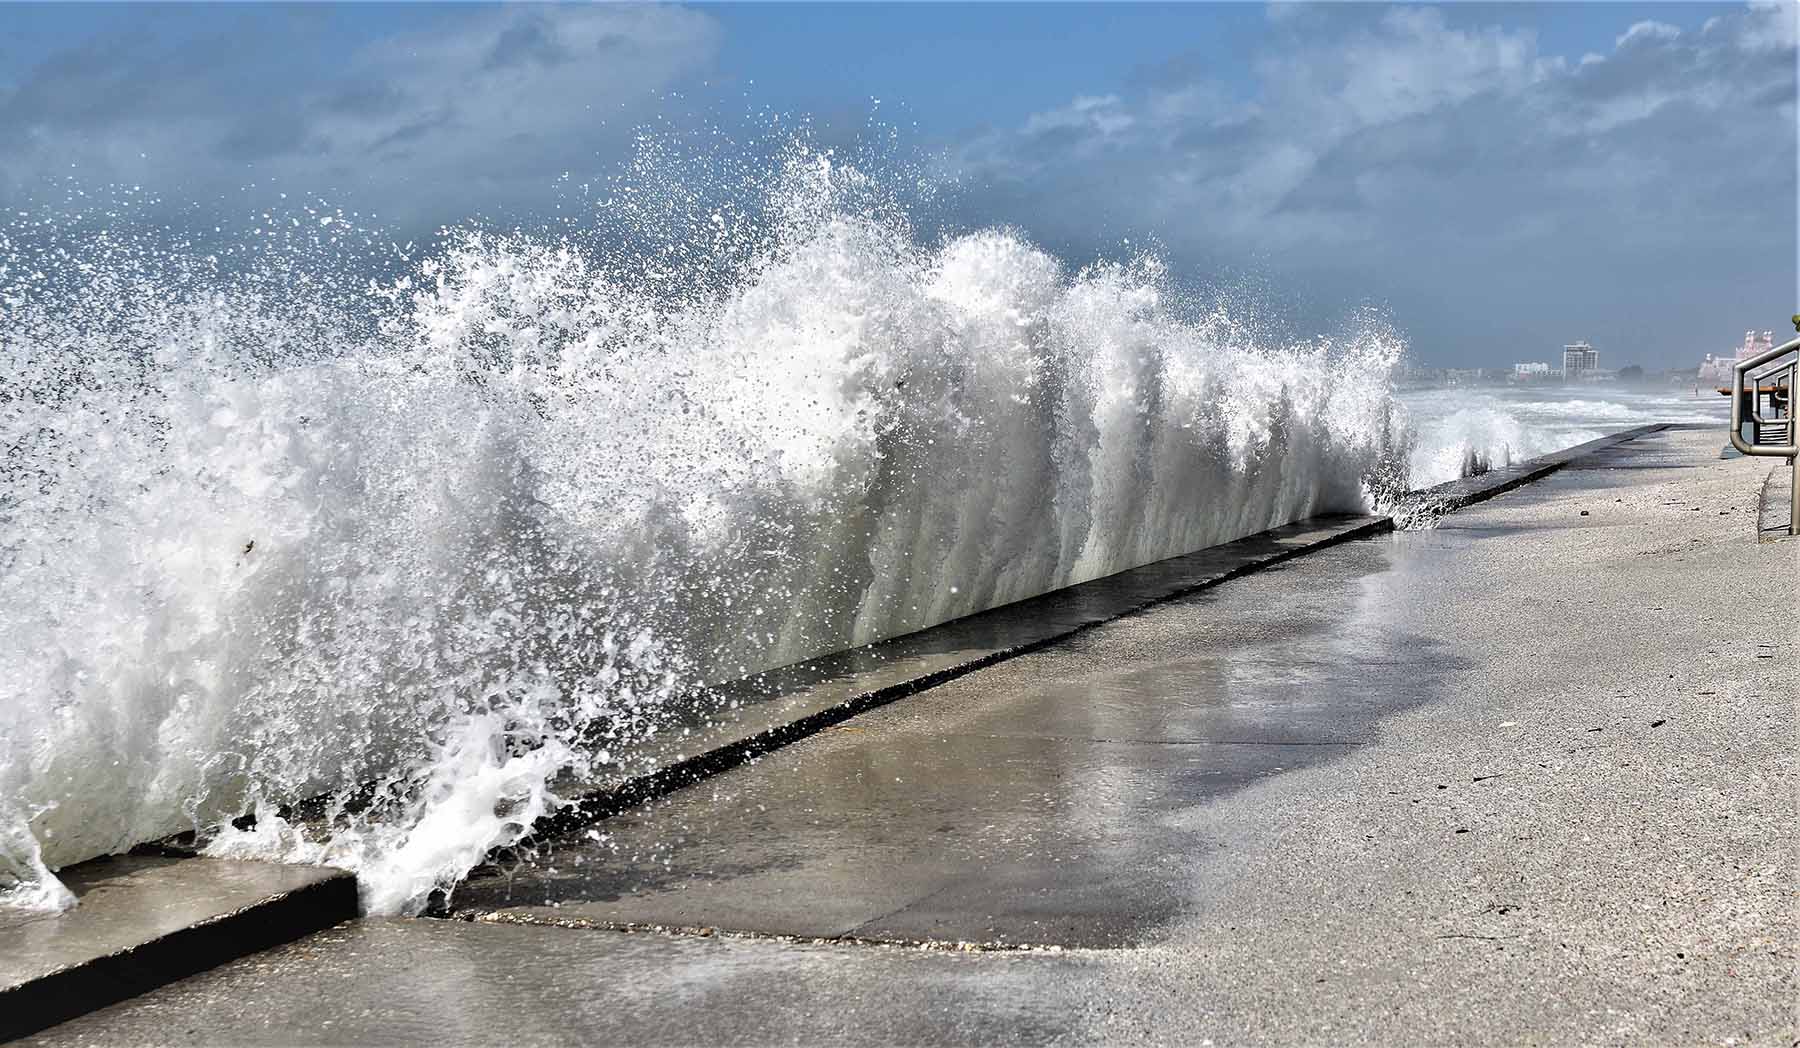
[(429, 982), (963, 839), (143, 922)]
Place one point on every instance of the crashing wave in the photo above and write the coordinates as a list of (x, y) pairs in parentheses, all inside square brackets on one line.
[(428, 546)]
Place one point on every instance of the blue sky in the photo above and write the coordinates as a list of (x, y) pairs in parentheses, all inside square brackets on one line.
[(1500, 178)]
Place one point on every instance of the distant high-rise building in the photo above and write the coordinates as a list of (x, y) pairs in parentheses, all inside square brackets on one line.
[(1531, 369), (1580, 360)]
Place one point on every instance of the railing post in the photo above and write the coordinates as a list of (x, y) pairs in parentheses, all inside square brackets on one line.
[(1791, 431)]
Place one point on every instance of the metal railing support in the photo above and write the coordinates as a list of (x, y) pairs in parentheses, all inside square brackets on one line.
[(1783, 379)]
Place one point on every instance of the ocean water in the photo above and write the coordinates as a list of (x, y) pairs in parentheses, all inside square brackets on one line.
[(411, 550), (1501, 425)]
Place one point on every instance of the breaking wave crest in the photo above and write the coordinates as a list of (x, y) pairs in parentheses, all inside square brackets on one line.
[(429, 545), (1461, 432)]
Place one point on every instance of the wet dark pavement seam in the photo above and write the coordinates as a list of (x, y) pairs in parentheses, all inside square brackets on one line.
[(851, 939), (1159, 742)]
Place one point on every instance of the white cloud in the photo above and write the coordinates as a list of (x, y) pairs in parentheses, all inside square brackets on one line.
[(1646, 32), (1770, 26), (489, 99), (1433, 157), (1104, 114)]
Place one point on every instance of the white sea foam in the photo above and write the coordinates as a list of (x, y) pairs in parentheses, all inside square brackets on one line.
[(1498, 426), (272, 536), (418, 552)]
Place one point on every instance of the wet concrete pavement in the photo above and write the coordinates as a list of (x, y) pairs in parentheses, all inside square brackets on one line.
[(143, 922), (1030, 814), (1516, 779), (743, 719), (393, 981)]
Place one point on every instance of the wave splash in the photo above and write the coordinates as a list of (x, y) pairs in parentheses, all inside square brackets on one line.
[(1459, 432), (426, 547)]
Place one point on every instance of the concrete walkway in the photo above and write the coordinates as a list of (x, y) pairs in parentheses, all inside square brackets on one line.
[(1518, 779), (144, 922)]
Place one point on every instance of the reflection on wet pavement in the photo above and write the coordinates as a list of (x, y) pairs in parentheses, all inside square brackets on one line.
[(1030, 802)]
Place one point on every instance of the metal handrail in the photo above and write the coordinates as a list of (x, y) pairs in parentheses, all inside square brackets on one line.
[(1790, 370)]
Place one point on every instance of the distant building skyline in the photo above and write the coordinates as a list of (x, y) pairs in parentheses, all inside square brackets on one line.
[(1754, 344), (1718, 368)]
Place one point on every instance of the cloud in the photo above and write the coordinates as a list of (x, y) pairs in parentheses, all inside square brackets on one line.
[(1646, 32), (1103, 117), (1449, 169), (1440, 161), (490, 104)]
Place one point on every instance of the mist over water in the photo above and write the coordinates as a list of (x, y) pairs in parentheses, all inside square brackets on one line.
[(1498, 426), (428, 546)]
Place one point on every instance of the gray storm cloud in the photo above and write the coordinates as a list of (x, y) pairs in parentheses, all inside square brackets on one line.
[(475, 112)]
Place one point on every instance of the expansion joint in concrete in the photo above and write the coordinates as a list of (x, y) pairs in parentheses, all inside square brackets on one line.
[(707, 932)]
